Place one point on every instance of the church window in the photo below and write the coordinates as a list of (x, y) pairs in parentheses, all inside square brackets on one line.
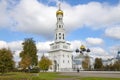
[(56, 36), (63, 55), (59, 26), (59, 37), (68, 61), (63, 61), (59, 33), (60, 18)]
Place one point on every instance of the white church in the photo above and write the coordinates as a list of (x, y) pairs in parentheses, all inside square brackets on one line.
[(60, 52)]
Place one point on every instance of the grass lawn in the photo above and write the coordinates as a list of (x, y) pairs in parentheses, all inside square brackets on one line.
[(44, 76), (31, 76)]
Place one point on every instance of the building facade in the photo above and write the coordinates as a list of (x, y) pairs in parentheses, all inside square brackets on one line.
[(112, 60), (78, 59), (60, 52)]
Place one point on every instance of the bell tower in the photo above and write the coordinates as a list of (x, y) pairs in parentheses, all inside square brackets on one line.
[(59, 31), (60, 53)]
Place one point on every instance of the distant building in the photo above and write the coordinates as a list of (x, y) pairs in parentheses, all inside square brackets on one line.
[(118, 56), (112, 60), (109, 61), (77, 62)]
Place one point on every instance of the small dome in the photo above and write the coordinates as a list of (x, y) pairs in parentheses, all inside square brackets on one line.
[(82, 47), (59, 12)]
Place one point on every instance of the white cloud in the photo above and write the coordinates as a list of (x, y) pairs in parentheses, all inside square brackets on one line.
[(93, 14), (16, 55), (114, 49), (43, 47), (4, 15), (94, 41), (3, 44), (75, 44), (15, 45), (113, 32), (100, 52), (32, 16)]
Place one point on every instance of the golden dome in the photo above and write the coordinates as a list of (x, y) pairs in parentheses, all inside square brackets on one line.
[(59, 12), (82, 47)]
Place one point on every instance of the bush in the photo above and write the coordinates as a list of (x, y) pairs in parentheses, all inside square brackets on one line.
[(35, 70)]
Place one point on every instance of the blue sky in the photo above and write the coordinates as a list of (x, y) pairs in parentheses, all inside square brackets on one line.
[(95, 23)]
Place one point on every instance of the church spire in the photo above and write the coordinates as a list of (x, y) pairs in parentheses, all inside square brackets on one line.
[(60, 32), (59, 6)]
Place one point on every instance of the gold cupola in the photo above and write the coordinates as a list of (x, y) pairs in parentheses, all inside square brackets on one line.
[(59, 11)]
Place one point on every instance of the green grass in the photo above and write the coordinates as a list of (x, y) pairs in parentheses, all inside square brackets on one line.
[(44, 76), (52, 76), (32, 76), (16, 76)]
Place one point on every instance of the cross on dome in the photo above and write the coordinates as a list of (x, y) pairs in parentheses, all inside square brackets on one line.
[(59, 5)]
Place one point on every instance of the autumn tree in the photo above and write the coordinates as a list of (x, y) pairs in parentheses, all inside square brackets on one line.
[(25, 62), (116, 65), (6, 60), (98, 65), (44, 63), (86, 63), (28, 55)]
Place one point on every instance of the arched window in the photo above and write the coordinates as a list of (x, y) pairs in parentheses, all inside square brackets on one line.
[(56, 36), (59, 26), (59, 37), (63, 36), (59, 33)]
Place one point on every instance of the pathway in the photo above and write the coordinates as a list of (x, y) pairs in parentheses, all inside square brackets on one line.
[(66, 79)]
